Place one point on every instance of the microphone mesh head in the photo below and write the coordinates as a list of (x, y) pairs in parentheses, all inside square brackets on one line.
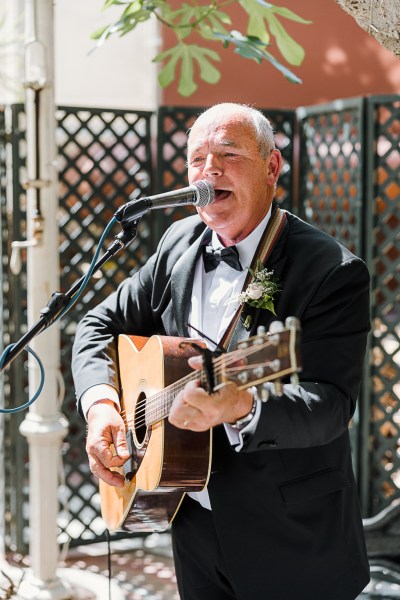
[(204, 193)]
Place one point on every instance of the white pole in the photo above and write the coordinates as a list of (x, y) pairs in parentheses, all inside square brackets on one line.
[(44, 426)]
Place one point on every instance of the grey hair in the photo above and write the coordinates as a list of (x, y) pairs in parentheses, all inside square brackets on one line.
[(255, 118)]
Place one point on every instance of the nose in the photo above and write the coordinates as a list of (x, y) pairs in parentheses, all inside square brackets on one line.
[(212, 165)]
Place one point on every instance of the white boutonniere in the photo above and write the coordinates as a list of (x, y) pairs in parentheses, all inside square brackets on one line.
[(260, 293)]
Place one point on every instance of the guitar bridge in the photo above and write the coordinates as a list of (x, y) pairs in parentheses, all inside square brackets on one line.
[(131, 466)]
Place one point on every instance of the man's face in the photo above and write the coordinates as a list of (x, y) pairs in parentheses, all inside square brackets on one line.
[(224, 152)]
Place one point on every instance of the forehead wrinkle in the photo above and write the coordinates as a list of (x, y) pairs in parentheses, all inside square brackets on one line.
[(224, 143)]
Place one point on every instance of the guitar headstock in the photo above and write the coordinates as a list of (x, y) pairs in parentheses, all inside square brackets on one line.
[(266, 357)]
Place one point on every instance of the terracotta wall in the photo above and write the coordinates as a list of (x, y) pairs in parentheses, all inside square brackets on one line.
[(341, 61)]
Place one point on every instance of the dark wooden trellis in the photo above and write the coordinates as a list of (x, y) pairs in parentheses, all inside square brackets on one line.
[(346, 182), (382, 244)]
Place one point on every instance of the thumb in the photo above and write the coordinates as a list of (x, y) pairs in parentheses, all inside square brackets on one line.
[(120, 443), (196, 362)]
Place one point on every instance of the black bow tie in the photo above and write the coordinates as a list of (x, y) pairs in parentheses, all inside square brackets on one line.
[(212, 257)]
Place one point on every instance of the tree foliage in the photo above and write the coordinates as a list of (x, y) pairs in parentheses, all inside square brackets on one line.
[(205, 23)]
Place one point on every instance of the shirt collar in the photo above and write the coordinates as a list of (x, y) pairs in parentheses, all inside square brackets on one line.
[(247, 246)]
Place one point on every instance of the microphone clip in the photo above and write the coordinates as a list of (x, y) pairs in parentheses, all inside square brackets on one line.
[(132, 211)]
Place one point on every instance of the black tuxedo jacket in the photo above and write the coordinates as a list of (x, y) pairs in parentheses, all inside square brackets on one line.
[(285, 507)]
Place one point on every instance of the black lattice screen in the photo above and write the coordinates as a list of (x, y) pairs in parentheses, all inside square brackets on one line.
[(331, 169), (14, 325), (384, 248), (104, 159), (3, 290), (331, 182)]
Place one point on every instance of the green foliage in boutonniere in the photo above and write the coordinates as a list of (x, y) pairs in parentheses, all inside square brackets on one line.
[(260, 293)]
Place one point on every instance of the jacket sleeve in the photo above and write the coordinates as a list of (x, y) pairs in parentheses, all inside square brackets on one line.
[(138, 307), (335, 324), (94, 352)]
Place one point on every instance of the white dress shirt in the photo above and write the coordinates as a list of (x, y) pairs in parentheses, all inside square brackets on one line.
[(212, 310)]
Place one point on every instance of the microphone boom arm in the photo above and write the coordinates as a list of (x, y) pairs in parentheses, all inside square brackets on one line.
[(59, 301)]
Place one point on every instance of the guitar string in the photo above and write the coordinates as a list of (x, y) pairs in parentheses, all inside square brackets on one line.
[(155, 405), (154, 408), (153, 402)]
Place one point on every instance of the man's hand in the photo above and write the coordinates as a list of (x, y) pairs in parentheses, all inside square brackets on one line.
[(195, 409), (106, 427)]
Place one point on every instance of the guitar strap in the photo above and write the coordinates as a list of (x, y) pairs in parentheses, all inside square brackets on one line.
[(264, 249)]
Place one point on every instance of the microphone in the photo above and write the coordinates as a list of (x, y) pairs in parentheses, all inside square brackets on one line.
[(200, 193)]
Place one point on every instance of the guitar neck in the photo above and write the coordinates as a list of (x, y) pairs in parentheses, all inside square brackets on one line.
[(265, 357), (159, 405)]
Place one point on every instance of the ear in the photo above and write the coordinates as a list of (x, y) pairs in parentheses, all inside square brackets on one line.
[(274, 166)]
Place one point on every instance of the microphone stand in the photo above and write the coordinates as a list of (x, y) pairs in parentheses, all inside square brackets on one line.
[(59, 301)]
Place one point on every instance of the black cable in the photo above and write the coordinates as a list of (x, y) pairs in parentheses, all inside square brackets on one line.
[(109, 562)]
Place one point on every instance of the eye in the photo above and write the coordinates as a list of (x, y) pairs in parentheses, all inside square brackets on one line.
[(196, 159)]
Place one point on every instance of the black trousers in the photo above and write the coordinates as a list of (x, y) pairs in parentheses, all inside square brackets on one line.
[(201, 570)]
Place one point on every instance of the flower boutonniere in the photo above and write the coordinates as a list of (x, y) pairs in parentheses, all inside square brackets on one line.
[(260, 293)]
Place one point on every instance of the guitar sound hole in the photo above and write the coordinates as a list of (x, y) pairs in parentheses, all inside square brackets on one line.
[(140, 422)]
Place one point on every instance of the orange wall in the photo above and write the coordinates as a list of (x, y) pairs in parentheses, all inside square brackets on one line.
[(341, 61)]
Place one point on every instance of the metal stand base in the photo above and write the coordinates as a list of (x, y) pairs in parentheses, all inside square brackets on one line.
[(69, 584), (32, 588)]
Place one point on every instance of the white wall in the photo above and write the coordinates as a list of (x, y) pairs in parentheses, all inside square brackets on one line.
[(119, 74), (11, 51)]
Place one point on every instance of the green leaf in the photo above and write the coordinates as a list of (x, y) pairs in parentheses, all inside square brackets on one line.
[(214, 22), (284, 12), (287, 14), (134, 7), (109, 3), (250, 47), (101, 33), (261, 12), (288, 47), (221, 16), (208, 72), (187, 86), (269, 305), (187, 54), (256, 26), (167, 74), (183, 19)]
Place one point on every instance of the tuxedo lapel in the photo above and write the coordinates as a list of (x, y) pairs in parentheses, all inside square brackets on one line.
[(182, 277)]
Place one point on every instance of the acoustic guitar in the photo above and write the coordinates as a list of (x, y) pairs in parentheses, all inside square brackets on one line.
[(166, 462)]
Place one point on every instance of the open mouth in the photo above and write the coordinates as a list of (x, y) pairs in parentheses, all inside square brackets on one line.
[(221, 194)]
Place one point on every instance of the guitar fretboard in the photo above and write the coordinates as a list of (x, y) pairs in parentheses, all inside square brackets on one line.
[(159, 405)]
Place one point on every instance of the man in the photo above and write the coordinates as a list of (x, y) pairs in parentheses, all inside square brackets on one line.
[(279, 519)]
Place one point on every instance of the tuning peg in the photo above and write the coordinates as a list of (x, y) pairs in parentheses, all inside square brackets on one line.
[(275, 365), (276, 327), (292, 323), (243, 377), (259, 338), (264, 392), (258, 372), (278, 388), (294, 379)]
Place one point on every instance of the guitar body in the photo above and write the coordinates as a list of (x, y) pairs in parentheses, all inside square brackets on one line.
[(166, 461)]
